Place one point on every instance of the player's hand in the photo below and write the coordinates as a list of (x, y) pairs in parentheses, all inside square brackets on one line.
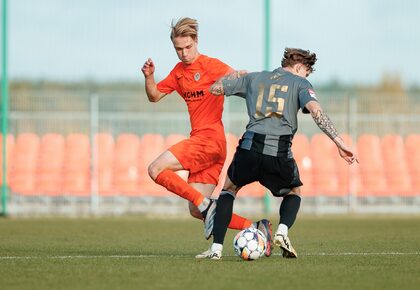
[(242, 72), (148, 68), (347, 155)]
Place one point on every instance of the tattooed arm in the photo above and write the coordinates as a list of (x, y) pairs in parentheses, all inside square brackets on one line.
[(217, 87), (326, 125)]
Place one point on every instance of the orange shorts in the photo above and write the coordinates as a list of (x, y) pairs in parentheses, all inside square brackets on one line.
[(202, 156)]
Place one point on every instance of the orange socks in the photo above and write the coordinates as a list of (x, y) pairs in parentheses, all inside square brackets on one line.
[(171, 181), (239, 223)]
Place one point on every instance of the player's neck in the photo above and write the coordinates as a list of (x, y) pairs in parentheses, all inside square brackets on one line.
[(194, 59), (288, 69)]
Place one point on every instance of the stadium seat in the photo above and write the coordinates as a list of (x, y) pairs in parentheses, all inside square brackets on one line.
[(395, 164), (50, 165), (324, 167), (77, 165), (372, 171), (25, 160), (412, 145), (10, 144), (172, 139), (347, 174), (151, 146), (104, 166), (254, 189), (302, 154), (126, 171)]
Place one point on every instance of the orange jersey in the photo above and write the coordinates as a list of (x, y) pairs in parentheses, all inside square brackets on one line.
[(192, 82)]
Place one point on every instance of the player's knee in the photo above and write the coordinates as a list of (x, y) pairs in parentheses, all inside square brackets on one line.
[(295, 191), (153, 170)]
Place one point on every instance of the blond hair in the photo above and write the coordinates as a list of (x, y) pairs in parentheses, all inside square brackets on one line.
[(184, 27)]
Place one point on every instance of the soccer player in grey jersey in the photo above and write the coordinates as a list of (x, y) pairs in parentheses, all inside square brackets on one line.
[(264, 154)]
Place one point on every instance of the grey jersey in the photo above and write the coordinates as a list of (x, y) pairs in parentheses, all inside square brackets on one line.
[(273, 100)]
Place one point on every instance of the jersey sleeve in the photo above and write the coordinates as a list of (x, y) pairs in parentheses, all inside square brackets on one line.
[(168, 84), (306, 94), (217, 69), (236, 86)]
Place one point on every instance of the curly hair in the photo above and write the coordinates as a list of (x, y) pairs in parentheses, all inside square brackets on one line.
[(293, 56), (184, 27)]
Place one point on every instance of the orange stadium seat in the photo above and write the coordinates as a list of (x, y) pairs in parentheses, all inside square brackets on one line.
[(372, 171), (25, 160), (254, 189), (50, 164), (77, 165), (10, 144), (347, 174), (104, 166), (126, 171), (172, 139), (324, 167), (412, 145), (151, 146), (302, 154), (395, 163)]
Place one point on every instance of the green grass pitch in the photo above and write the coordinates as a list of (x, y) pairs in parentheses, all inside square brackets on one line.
[(335, 252)]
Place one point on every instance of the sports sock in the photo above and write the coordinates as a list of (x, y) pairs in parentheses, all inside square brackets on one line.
[(238, 223), (216, 247), (283, 230), (172, 182), (289, 209), (223, 216)]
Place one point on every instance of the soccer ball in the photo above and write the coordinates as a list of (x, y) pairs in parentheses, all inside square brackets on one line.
[(250, 244)]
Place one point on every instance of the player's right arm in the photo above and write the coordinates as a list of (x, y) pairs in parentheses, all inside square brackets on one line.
[(326, 125), (152, 91)]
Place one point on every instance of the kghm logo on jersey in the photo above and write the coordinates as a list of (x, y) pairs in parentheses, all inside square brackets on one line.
[(197, 76), (312, 93), (193, 96)]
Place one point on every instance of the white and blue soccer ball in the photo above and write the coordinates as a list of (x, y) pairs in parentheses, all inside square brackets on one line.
[(250, 244)]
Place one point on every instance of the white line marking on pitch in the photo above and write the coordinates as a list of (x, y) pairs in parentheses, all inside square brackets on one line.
[(177, 256)]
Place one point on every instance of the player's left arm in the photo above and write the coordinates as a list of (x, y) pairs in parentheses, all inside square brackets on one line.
[(217, 88), (326, 125)]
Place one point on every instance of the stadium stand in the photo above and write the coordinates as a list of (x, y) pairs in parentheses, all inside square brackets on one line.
[(302, 154), (126, 171), (10, 144), (50, 165), (77, 165), (395, 164), (151, 146), (372, 171), (104, 165), (324, 167), (347, 175), (55, 165), (25, 161), (412, 150)]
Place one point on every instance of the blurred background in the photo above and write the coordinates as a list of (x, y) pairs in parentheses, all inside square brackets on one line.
[(81, 132)]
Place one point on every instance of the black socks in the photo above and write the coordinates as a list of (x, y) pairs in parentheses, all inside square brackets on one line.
[(288, 209), (223, 216)]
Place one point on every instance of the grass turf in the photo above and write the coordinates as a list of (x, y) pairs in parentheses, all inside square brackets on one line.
[(148, 253)]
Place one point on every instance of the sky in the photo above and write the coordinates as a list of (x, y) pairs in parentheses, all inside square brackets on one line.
[(356, 42)]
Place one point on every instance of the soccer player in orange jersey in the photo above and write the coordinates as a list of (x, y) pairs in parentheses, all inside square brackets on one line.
[(204, 153)]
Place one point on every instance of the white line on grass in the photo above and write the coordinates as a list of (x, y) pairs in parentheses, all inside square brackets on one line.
[(178, 256)]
